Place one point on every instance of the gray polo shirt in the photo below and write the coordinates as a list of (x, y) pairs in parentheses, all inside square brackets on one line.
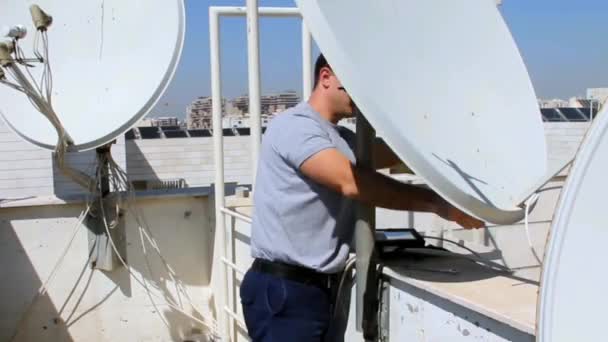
[(296, 220)]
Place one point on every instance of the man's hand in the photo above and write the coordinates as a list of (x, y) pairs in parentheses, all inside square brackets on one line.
[(451, 213)]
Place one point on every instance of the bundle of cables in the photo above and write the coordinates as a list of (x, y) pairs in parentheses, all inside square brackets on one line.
[(123, 188), (39, 93)]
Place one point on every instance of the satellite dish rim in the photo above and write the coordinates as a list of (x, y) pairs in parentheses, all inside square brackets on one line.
[(412, 154), (21, 135), (560, 223), (443, 186)]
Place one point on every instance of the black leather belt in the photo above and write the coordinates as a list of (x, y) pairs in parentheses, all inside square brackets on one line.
[(298, 274)]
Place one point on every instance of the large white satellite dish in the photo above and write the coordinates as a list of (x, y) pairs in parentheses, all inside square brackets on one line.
[(573, 284), (111, 62), (443, 82)]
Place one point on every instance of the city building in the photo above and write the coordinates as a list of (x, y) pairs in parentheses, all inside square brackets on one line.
[(279, 102), (236, 111), (231, 109), (270, 104), (241, 103), (145, 122), (243, 121), (598, 94), (159, 122), (165, 121), (198, 113), (577, 102), (552, 103)]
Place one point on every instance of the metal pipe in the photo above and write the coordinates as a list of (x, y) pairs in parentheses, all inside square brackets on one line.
[(255, 103), (218, 156), (252, 12), (235, 317), (306, 62), (364, 238), (237, 215), (233, 266), (236, 11)]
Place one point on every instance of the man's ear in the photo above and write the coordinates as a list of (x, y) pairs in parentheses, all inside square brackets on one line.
[(324, 76)]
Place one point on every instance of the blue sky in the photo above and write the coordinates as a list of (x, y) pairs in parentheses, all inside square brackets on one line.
[(563, 43)]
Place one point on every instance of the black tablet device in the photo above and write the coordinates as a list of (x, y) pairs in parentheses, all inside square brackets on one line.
[(389, 240)]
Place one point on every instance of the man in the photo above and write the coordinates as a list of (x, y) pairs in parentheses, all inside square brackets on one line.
[(303, 220)]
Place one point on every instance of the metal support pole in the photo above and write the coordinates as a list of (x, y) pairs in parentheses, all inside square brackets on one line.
[(271, 12), (218, 156), (215, 12), (306, 62), (102, 255), (364, 240), (253, 62)]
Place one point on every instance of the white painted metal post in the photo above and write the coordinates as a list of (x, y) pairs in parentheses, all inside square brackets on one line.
[(218, 155), (222, 259), (273, 12), (231, 301), (253, 54), (306, 62)]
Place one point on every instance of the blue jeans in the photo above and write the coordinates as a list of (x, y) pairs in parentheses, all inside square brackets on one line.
[(280, 310)]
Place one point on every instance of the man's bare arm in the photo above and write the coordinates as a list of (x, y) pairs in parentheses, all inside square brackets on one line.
[(384, 157), (333, 170)]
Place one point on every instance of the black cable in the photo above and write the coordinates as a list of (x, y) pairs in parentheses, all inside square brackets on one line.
[(477, 255)]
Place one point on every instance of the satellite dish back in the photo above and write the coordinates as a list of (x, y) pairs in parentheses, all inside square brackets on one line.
[(444, 84), (573, 283), (111, 62)]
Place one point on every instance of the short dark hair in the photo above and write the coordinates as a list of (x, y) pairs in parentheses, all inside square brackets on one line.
[(320, 64)]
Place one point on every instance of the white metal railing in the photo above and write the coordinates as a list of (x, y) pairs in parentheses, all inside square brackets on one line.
[(237, 215), (252, 12), (235, 317), (230, 267), (233, 266)]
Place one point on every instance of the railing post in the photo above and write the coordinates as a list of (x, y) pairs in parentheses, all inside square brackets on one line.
[(253, 63), (218, 156), (306, 62), (222, 261)]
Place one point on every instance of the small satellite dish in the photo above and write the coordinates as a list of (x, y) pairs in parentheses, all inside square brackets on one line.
[(111, 61), (573, 284), (443, 83)]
